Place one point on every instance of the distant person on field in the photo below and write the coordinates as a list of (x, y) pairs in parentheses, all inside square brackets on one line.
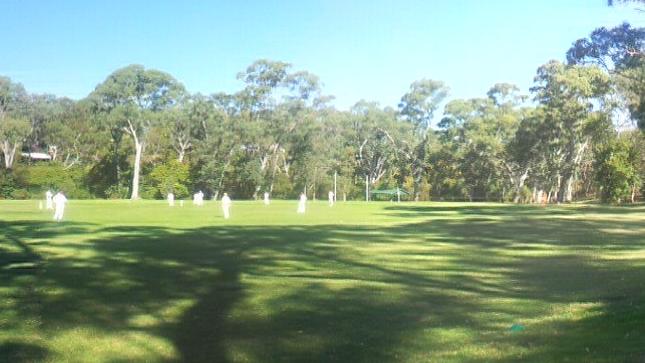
[(226, 206), (266, 198), (171, 199), (302, 202), (198, 198), (331, 198), (48, 198), (59, 201)]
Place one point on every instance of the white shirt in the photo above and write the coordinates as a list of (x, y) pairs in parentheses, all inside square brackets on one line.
[(60, 200), (226, 201)]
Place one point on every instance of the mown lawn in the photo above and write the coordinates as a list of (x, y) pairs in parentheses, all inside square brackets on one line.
[(380, 282)]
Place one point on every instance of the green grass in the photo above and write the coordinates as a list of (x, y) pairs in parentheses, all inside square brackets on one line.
[(382, 282)]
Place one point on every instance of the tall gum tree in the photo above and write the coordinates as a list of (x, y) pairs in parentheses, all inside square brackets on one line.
[(14, 126), (417, 106), (574, 106), (621, 52), (134, 98)]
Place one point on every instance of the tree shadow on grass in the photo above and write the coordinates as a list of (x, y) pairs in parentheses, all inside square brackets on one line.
[(342, 293), (19, 352)]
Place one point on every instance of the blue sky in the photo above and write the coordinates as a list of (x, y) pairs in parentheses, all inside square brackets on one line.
[(368, 49)]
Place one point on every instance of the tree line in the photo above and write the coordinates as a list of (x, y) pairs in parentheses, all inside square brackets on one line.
[(140, 134)]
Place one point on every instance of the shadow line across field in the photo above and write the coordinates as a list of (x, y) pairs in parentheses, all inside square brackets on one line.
[(336, 292)]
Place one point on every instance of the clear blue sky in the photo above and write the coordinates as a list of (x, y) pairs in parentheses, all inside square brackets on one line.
[(367, 49)]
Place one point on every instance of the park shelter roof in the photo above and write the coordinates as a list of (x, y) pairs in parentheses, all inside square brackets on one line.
[(37, 156), (390, 191)]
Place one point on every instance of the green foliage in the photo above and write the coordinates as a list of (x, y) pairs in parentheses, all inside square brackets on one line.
[(617, 170), (8, 185), (36, 179), (171, 176)]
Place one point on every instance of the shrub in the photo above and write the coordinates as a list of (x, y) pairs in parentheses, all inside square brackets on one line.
[(38, 178), (171, 176)]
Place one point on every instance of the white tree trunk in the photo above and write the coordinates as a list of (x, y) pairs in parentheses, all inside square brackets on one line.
[(137, 166), (569, 193), (180, 156), (9, 152), (138, 151)]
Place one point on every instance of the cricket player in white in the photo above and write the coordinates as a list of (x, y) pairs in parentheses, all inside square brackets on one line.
[(331, 198), (226, 205), (59, 201), (196, 198), (171, 199), (266, 198), (48, 197), (301, 203)]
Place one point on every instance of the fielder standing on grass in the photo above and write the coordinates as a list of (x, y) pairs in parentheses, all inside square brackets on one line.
[(48, 198), (302, 203), (226, 206), (59, 201)]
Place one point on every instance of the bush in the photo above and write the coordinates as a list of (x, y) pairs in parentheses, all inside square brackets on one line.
[(36, 179), (171, 176), (617, 170), (8, 185)]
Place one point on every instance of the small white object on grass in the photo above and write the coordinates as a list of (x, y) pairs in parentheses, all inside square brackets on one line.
[(266, 198)]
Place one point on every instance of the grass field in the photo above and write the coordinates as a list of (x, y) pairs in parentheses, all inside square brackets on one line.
[(379, 282)]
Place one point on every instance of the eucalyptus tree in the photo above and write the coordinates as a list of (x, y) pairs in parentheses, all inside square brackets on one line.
[(218, 139), (186, 123), (14, 125), (574, 105), (380, 142), (69, 135), (276, 102), (621, 52), (476, 132), (133, 99), (417, 107)]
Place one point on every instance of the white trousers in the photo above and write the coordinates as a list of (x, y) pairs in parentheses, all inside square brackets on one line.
[(58, 214)]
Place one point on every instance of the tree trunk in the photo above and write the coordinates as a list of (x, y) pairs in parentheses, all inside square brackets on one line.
[(137, 167), (9, 152), (519, 185), (569, 194), (180, 156)]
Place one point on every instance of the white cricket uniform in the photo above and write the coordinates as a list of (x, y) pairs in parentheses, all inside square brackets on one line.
[(171, 199), (302, 203), (48, 197), (266, 199), (226, 206), (59, 201)]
